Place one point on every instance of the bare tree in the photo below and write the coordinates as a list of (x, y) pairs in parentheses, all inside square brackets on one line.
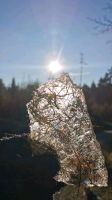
[(104, 23)]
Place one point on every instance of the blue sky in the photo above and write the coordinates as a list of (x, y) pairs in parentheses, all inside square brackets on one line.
[(32, 32)]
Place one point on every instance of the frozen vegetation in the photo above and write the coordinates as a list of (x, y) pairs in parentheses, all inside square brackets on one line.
[(59, 120)]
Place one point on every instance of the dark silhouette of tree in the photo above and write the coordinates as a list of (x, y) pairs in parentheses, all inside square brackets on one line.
[(110, 75), (107, 79), (99, 100), (14, 87), (104, 23), (2, 86), (13, 112), (13, 100)]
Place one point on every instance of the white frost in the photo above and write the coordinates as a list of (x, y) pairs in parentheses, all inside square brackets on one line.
[(59, 118)]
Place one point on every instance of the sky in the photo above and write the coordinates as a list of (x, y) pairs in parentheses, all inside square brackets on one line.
[(34, 32)]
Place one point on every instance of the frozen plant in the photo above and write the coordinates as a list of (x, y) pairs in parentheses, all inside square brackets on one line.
[(59, 119)]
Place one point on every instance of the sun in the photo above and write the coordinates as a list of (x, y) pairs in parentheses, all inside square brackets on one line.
[(55, 67)]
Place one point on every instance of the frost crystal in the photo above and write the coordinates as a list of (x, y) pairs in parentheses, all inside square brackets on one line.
[(59, 118)]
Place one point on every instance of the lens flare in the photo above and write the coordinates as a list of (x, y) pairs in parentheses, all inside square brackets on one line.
[(55, 67)]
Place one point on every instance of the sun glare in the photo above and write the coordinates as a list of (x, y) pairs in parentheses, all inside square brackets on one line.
[(55, 67)]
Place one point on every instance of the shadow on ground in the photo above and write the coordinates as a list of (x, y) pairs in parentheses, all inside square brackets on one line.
[(24, 176), (27, 172)]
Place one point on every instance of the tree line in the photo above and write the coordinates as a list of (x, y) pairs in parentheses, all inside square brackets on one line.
[(13, 100), (99, 101), (13, 112)]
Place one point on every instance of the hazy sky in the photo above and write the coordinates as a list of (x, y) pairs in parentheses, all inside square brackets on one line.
[(32, 32)]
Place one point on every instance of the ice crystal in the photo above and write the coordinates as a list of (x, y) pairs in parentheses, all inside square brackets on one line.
[(59, 119)]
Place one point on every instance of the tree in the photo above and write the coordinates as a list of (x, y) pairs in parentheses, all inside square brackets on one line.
[(110, 75), (13, 87), (107, 79), (2, 86), (93, 86), (2, 93), (104, 23)]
